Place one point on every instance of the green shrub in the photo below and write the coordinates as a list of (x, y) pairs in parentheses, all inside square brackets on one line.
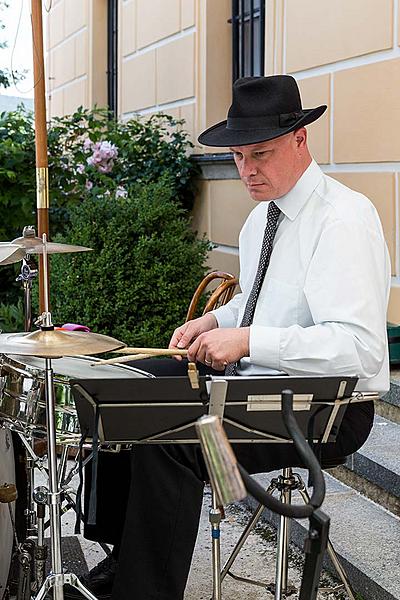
[(12, 317), (140, 152), (146, 262)]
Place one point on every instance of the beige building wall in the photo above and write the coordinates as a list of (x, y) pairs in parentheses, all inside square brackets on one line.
[(347, 55), (175, 57), (76, 62)]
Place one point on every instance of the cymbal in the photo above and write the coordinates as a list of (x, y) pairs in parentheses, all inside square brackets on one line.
[(56, 342), (34, 245), (10, 254)]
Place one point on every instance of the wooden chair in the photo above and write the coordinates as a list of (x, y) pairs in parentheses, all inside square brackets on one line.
[(220, 296)]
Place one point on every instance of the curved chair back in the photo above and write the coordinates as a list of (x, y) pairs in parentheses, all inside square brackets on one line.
[(220, 296)]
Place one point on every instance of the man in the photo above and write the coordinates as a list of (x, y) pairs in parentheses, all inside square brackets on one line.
[(314, 275)]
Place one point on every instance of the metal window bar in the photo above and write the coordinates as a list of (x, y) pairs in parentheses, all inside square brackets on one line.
[(112, 56), (248, 45)]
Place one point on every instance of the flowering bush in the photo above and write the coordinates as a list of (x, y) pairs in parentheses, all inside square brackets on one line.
[(97, 167), (92, 154)]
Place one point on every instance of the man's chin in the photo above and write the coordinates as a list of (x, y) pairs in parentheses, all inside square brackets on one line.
[(261, 195)]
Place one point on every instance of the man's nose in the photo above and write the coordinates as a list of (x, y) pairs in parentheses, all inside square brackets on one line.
[(248, 168)]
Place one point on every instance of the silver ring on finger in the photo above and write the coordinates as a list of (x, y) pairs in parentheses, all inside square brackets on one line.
[(208, 362)]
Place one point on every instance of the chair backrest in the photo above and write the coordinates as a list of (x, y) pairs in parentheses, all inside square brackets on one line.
[(221, 295)]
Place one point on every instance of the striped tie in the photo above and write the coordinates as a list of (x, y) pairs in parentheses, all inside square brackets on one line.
[(265, 256)]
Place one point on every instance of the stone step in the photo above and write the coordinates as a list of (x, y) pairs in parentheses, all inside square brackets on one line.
[(366, 537), (378, 461), (389, 407)]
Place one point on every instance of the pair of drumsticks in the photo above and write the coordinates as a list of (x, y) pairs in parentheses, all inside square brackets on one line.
[(139, 354)]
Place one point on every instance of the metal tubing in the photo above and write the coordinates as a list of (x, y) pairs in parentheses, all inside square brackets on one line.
[(63, 462), (27, 286), (340, 571), (283, 543), (215, 520), (54, 496), (333, 555), (249, 528)]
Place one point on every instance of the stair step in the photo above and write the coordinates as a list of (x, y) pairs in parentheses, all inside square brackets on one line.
[(378, 461), (365, 535), (389, 406)]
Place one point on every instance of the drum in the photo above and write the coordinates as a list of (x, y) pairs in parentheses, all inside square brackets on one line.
[(22, 400), (7, 475)]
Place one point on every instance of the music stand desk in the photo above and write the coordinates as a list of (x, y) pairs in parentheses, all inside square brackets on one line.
[(164, 410)]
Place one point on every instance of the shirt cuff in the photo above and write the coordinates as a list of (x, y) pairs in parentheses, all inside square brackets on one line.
[(224, 316), (264, 345)]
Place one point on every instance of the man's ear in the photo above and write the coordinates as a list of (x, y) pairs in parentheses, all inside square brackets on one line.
[(300, 136)]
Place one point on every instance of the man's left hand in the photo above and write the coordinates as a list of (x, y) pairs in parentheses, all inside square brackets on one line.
[(219, 347)]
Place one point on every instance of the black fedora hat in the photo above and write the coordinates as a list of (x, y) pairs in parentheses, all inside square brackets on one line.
[(263, 108)]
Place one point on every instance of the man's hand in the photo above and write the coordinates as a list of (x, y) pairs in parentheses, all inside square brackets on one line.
[(218, 348), (184, 335)]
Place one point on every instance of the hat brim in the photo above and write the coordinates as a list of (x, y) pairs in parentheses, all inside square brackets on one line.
[(220, 136)]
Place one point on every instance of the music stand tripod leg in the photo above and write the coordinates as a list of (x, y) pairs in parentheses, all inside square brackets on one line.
[(332, 553), (281, 579), (215, 520)]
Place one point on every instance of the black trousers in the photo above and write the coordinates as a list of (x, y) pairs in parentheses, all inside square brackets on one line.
[(163, 506)]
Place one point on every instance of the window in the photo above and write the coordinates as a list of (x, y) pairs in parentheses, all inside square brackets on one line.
[(248, 37), (112, 56)]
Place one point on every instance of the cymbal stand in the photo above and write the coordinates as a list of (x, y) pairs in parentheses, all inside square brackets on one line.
[(56, 579), (29, 272)]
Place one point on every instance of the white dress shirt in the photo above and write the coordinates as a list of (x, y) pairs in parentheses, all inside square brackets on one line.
[(322, 306)]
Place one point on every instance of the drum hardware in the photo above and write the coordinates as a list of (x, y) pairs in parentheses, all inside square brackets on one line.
[(26, 574), (21, 249), (49, 343), (29, 272)]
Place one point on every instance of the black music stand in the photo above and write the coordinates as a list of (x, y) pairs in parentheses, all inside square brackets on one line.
[(164, 410)]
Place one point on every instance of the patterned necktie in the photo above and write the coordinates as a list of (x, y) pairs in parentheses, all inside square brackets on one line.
[(265, 256)]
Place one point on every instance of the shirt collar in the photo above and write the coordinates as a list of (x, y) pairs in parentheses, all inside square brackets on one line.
[(291, 203)]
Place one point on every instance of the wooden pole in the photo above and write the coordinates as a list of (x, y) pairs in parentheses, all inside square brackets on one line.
[(42, 175)]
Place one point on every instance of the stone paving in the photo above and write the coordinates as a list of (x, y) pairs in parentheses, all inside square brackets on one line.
[(257, 559)]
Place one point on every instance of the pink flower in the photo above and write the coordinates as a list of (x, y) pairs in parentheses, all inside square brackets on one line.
[(80, 168), (88, 185), (103, 156), (87, 144)]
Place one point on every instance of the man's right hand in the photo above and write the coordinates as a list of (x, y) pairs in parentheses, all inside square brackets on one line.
[(184, 335)]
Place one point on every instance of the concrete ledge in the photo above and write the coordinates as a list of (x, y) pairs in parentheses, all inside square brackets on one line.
[(365, 535), (378, 460), (216, 166), (393, 395)]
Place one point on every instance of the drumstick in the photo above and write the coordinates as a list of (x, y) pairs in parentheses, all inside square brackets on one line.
[(153, 351), (139, 356), (119, 359)]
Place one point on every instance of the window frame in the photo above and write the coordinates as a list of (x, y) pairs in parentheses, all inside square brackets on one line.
[(112, 56), (238, 21)]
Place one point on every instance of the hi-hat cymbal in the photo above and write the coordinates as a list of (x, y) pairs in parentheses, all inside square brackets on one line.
[(10, 253), (34, 245), (56, 343)]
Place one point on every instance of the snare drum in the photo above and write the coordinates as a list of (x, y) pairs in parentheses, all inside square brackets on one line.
[(22, 399)]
